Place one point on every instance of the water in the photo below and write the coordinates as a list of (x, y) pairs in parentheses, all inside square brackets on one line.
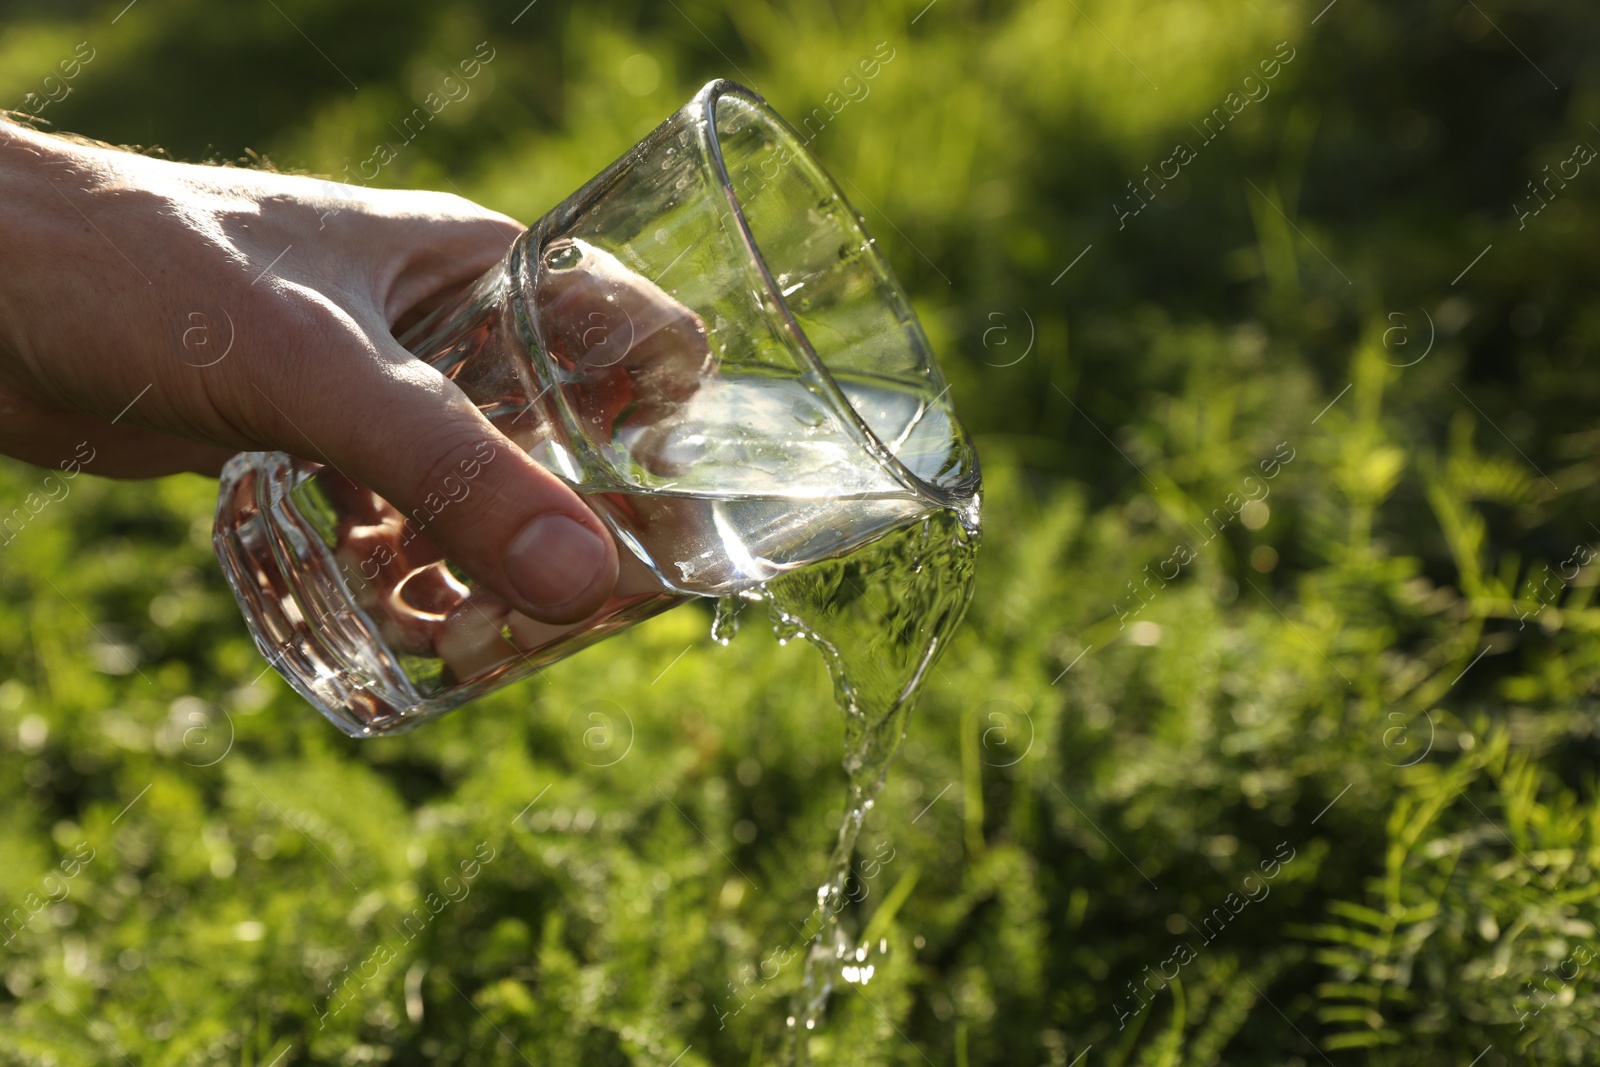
[(881, 617), (879, 610), (755, 474)]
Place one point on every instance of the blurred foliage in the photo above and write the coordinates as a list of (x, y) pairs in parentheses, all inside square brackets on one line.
[(1383, 669)]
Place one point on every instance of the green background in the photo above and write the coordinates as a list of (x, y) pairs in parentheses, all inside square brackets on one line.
[(1376, 685)]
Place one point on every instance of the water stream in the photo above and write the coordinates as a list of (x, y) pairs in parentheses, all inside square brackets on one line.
[(881, 617)]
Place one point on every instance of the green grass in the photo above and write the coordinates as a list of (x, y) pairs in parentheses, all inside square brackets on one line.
[(1327, 772)]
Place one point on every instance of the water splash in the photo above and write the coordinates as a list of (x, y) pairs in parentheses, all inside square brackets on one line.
[(880, 616)]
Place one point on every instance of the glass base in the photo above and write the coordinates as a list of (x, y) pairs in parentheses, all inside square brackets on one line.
[(311, 627)]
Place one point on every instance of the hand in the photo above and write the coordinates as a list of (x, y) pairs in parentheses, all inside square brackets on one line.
[(112, 262), (627, 356)]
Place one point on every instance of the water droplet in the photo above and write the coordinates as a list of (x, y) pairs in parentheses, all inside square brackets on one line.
[(785, 628), (726, 622), (563, 256)]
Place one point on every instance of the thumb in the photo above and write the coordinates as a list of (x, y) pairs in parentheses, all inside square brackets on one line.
[(397, 426)]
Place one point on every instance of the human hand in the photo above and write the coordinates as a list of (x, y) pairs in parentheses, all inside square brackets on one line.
[(627, 357), (112, 261)]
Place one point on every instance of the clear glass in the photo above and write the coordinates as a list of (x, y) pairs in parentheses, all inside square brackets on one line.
[(704, 341)]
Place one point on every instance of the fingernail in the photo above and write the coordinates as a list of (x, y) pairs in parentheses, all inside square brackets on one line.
[(554, 560)]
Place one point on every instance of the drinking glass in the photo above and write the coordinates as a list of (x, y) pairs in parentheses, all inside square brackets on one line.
[(703, 341)]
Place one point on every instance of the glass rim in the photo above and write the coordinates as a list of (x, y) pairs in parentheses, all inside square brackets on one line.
[(704, 102)]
